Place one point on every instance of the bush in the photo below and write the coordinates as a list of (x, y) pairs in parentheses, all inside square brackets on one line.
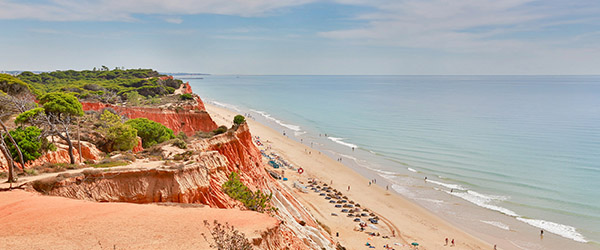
[(151, 132), (122, 136), (133, 98), (226, 237), (179, 143), (221, 129), (109, 118), (186, 97), (255, 201), (28, 141), (239, 119), (182, 136)]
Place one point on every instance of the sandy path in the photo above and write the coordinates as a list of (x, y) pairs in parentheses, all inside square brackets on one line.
[(412, 222), (25, 179), (32, 221)]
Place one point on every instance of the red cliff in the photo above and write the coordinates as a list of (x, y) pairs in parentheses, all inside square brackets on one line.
[(179, 120)]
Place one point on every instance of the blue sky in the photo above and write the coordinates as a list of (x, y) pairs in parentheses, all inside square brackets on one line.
[(304, 36)]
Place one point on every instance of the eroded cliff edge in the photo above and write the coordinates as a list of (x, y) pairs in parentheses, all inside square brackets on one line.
[(198, 179)]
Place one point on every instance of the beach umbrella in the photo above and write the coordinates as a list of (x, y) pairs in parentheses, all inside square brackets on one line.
[(414, 244)]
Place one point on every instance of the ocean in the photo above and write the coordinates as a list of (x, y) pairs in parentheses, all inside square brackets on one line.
[(524, 148)]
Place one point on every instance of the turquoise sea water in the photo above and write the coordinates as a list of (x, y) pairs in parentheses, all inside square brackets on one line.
[(524, 146)]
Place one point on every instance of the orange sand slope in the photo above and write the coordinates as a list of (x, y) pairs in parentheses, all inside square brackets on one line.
[(33, 221)]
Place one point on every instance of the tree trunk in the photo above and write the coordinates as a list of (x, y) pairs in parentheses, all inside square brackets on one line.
[(68, 139), (16, 145), (79, 138), (11, 171)]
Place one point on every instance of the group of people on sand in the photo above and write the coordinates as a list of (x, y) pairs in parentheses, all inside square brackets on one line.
[(452, 242)]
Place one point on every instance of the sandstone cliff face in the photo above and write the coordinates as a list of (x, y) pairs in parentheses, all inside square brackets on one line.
[(200, 180), (61, 155), (197, 182), (187, 120)]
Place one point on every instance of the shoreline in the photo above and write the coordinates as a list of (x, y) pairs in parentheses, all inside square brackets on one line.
[(487, 231), (413, 222)]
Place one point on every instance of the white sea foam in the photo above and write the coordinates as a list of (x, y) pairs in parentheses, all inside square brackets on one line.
[(487, 196), (299, 133), (452, 186), (482, 201), (412, 170), (350, 157), (560, 229), (226, 105), (385, 172), (402, 190), (497, 224), (340, 141), (431, 200), (269, 117), (387, 176)]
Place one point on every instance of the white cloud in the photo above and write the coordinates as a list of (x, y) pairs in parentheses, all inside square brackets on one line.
[(123, 10), (455, 25)]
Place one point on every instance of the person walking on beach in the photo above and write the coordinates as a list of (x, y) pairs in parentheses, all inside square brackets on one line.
[(369, 183), (348, 188), (452, 242), (446, 242), (495, 247)]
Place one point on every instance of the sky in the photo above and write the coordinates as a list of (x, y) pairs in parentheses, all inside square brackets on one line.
[(351, 37)]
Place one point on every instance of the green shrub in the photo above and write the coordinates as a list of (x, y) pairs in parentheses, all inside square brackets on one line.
[(133, 98), (239, 119), (122, 136), (179, 143), (151, 132), (221, 129), (51, 147), (182, 136), (186, 97), (109, 119), (255, 201), (29, 142)]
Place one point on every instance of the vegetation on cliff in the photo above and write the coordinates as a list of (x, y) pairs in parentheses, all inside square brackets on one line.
[(120, 136), (151, 132), (255, 201), (226, 237), (28, 141), (58, 112), (104, 85), (239, 119), (14, 86)]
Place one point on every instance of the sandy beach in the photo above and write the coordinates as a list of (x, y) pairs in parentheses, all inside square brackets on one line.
[(410, 222)]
